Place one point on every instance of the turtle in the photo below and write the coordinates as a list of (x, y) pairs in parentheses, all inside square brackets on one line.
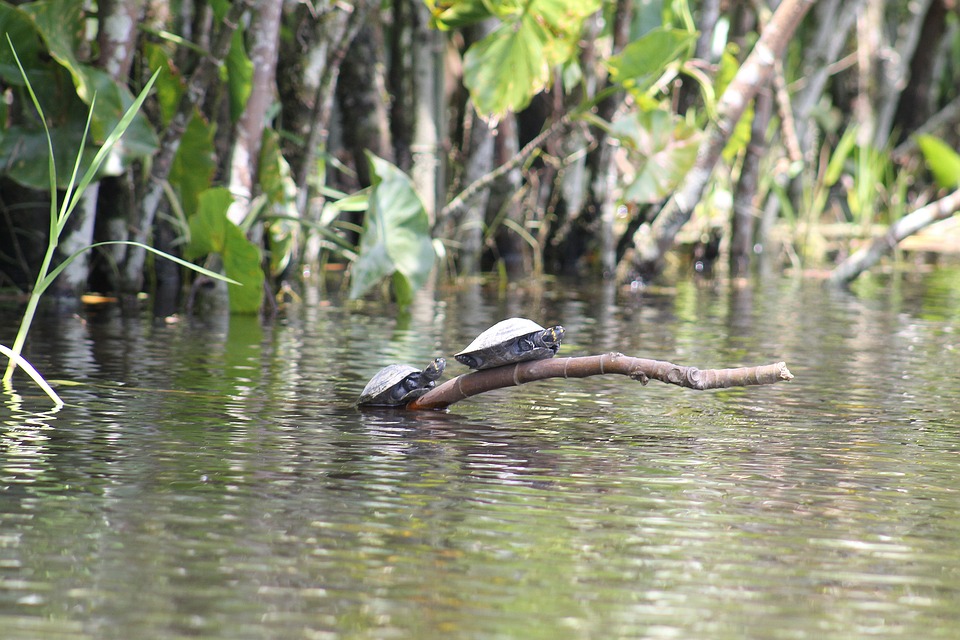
[(397, 384), (510, 341)]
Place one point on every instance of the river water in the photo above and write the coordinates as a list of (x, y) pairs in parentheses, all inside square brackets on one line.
[(212, 479)]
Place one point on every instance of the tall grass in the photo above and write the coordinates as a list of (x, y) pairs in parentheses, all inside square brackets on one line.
[(59, 215)]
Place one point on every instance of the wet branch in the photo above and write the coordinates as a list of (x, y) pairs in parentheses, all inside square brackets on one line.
[(641, 369), (906, 226)]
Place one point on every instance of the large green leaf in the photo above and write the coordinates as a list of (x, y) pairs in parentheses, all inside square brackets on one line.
[(643, 61), (195, 164), (170, 85), (65, 87), (239, 71), (452, 14), (212, 232), (943, 161), (17, 26), (61, 24), (396, 236), (507, 68), (662, 149), (280, 189)]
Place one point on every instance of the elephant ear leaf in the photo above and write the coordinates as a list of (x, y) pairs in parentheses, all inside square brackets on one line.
[(943, 161), (211, 231), (396, 240)]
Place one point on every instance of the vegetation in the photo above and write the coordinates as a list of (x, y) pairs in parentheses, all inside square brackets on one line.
[(60, 216), (520, 136)]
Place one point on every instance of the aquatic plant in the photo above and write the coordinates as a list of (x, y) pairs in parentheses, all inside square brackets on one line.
[(60, 214)]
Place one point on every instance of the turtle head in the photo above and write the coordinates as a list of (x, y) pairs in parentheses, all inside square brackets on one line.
[(434, 370), (552, 337), (468, 360), (418, 382)]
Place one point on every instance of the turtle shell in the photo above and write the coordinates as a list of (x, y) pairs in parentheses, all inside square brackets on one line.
[(397, 384), (510, 341)]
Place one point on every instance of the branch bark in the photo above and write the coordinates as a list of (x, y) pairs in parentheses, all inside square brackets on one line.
[(640, 369), (651, 242), (869, 255)]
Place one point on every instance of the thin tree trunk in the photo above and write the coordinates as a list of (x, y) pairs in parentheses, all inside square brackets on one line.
[(203, 77), (895, 71), (78, 233), (245, 156), (466, 227), (363, 101), (745, 208), (651, 242), (338, 30), (586, 226), (428, 123), (117, 37), (904, 227)]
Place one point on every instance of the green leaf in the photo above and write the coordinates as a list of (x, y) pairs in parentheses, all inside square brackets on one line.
[(643, 61), (61, 24), (195, 165), (396, 236), (534, 37), (170, 85), (452, 14), (277, 184), (942, 160), (839, 156), (239, 70), (662, 148), (212, 232), (17, 26)]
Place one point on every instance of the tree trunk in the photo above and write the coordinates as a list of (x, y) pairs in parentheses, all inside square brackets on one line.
[(203, 77), (584, 231), (244, 160), (651, 242), (426, 155), (332, 41), (117, 38), (363, 100), (742, 235)]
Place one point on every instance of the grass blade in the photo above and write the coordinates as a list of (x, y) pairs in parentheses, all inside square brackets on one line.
[(33, 373)]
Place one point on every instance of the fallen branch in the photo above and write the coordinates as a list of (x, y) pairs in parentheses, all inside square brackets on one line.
[(902, 228), (641, 369)]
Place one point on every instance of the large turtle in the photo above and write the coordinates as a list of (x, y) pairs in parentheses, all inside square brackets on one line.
[(510, 341), (397, 384)]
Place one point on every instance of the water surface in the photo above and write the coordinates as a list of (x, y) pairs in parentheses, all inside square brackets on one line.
[(212, 478)]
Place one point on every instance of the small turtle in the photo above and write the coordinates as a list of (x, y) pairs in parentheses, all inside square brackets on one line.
[(397, 384), (510, 341)]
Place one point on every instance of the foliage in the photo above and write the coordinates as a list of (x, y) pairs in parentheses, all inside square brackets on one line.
[(643, 61), (396, 236), (68, 87), (533, 37), (661, 148), (76, 184), (943, 161)]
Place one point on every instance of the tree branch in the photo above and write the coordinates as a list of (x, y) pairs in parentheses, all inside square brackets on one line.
[(458, 203), (652, 241), (905, 226), (640, 369)]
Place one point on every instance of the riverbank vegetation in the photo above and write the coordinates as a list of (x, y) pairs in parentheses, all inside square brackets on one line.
[(389, 141)]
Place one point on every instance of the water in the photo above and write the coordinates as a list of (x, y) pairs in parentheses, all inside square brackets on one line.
[(212, 479)]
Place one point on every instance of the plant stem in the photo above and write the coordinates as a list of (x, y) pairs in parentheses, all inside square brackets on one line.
[(31, 309)]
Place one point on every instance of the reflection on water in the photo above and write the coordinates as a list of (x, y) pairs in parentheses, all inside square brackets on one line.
[(214, 479)]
